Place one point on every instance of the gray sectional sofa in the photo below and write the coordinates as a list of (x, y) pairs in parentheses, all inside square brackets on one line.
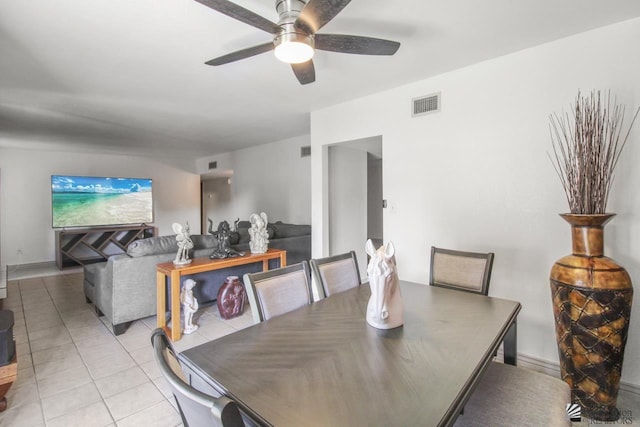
[(124, 288), (294, 238)]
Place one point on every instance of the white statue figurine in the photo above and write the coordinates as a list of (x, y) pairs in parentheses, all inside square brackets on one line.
[(258, 232), (189, 306), (385, 309), (184, 244)]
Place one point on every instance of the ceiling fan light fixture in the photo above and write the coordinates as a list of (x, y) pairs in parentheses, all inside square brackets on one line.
[(293, 48)]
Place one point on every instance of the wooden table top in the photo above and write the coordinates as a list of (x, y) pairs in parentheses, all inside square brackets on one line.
[(199, 265), (323, 365)]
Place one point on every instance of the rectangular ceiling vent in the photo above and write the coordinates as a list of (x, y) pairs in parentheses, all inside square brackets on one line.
[(425, 105), (305, 151), (213, 165)]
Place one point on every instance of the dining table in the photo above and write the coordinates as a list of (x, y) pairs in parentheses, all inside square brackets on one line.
[(323, 365)]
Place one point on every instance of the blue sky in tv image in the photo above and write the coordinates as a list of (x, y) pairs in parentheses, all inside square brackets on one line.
[(89, 184)]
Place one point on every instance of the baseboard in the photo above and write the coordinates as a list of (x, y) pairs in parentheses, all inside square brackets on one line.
[(36, 269), (17, 267), (553, 369)]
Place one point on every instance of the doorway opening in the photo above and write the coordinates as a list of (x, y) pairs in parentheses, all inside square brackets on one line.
[(355, 177), (216, 199)]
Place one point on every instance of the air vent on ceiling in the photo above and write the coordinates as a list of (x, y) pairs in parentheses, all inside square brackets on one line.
[(425, 104), (213, 165), (305, 151)]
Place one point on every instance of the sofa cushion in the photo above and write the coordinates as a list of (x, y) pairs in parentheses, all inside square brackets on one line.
[(204, 241), (282, 230), (270, 231), (245, 237), (153, 246)]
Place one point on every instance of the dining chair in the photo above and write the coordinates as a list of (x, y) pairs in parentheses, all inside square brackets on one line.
[(275, 292), (335, 274), (196, 408), (465, 271), (505, 395)]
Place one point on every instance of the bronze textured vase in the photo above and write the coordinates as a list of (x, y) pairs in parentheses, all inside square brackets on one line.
[(592, 298)]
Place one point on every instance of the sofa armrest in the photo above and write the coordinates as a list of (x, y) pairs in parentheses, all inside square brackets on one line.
[(102, 274), (94, 275)]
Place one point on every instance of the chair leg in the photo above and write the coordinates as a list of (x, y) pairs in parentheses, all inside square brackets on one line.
[(121, 328)]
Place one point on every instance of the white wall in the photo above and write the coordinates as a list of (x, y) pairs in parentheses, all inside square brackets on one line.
[(270, 178), (26, 196), (476, 176)]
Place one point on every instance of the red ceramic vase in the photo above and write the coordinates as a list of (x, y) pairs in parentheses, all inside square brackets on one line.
[(231, 298)]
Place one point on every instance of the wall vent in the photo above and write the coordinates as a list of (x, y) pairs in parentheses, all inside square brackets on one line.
[(425, 104), (305, 151), (213, 165)]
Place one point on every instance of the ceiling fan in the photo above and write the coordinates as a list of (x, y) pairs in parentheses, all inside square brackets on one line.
[(295, 35)]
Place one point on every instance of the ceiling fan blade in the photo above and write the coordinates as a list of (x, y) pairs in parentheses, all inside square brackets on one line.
[(241, 54), (318, 12), (242, 14), (305, 72), (355, 44)]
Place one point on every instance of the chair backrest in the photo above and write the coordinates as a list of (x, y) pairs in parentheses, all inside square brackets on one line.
[(466, 271), (335, 274), (196, 408), (278, 291)]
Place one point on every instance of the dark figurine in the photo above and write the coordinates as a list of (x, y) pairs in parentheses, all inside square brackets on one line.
[(222, 235)]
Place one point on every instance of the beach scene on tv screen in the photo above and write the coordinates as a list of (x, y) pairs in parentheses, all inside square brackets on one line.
[(91, 201)]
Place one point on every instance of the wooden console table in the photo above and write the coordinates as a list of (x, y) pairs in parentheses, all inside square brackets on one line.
[(8, 375), (199, 265)]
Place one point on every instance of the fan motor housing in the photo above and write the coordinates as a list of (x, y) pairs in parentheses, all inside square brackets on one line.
[(289, 10), (290, 34)]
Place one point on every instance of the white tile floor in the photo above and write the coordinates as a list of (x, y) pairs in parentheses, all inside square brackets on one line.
[(72, 371)]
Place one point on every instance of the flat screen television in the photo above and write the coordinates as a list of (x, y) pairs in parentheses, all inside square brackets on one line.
[(91, 201)]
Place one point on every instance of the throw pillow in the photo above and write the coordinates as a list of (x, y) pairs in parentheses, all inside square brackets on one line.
[(270, 231), (153, 246), (234, 238), (243, 235)]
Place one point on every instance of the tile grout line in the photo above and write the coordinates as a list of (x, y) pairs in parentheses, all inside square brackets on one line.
[(62, 293), (93, 380), (26, 330), (113, 419)]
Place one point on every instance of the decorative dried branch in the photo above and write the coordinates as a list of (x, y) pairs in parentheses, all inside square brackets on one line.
[(587, 149)]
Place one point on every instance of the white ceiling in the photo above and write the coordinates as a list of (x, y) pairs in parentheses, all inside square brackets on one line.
[(129, 75)]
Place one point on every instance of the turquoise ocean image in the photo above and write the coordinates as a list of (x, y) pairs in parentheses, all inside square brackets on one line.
[(90, 201)]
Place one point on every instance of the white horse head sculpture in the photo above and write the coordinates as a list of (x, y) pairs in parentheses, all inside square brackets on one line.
[(385, 309)]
